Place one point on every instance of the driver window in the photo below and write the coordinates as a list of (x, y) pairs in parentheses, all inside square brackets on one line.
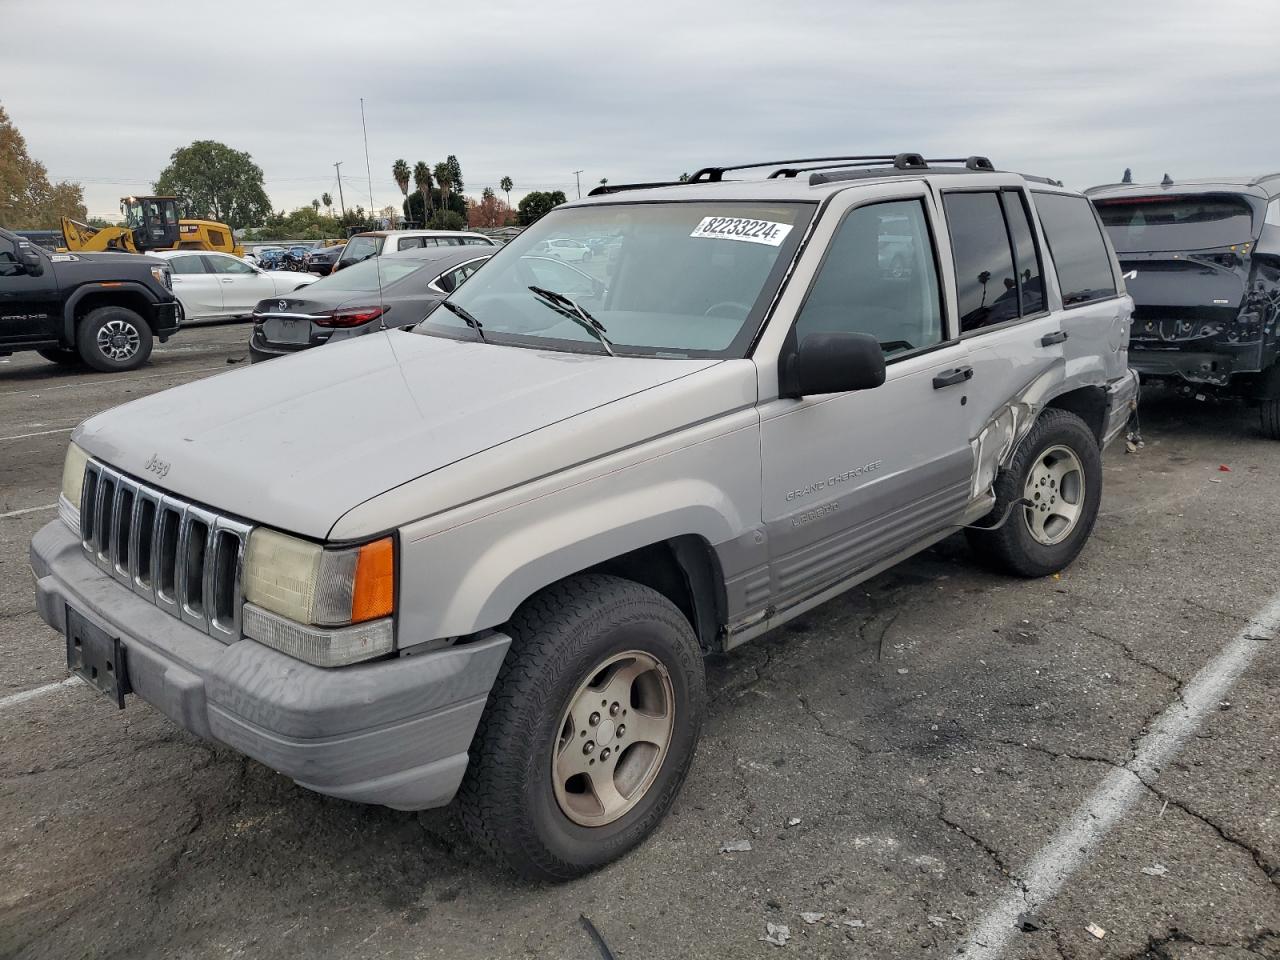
[(879, 277), (231, 265), (9, 266)]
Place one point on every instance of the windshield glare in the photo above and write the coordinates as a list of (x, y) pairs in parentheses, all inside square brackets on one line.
[(1155, 224), (664, 279), (368, 275)]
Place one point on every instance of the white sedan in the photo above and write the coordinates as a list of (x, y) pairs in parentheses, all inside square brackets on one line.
[(215, 286), (574, 251)]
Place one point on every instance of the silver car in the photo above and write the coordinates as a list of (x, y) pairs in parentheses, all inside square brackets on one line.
[(485, 557)]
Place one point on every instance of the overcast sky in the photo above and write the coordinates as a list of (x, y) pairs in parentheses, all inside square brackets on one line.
[(104, 92)]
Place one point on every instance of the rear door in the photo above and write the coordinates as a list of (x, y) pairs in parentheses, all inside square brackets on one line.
[(1012, 336), (242, 285), (195, 286), (1095, 315), (849, 480)]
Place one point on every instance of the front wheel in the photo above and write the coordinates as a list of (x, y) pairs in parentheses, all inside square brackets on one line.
[(112, 339), (1057, 471), (589, 730)]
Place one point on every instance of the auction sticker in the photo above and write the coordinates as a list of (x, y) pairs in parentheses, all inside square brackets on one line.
[(741, 228)]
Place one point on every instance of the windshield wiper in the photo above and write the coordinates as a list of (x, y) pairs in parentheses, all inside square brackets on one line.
[(569, 308), (465, 316)]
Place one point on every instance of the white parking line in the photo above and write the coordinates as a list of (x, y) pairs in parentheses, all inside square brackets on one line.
[(25, 695), (18, 513), (38, 433), (1046, 874)]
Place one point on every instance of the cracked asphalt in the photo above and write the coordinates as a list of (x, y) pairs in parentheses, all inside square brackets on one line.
[(896, 758)]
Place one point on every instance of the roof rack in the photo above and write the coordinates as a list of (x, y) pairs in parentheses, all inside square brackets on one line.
[(841, 168)]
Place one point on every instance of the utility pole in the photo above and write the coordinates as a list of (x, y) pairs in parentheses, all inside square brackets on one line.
[(578, 178), (342, 203)]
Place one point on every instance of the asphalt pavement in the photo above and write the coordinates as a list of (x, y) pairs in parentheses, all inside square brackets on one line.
[(942, 763)]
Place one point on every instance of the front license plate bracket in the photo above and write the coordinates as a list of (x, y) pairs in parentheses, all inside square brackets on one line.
[(97, 658)]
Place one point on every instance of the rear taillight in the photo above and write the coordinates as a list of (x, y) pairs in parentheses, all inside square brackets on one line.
[(351, 316)]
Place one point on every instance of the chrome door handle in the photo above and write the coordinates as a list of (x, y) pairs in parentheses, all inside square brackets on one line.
[(952, 377), (1049, 339), (226, 280)]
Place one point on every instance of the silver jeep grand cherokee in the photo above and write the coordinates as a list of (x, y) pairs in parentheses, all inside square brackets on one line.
[(486, 556)]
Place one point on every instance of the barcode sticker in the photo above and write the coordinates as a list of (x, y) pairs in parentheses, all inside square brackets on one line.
[(742, 228)]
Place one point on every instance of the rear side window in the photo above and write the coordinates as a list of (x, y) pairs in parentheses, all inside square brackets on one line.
[(187, 265), (408, 243), (878, 277), (986, 283), (1079, 251)]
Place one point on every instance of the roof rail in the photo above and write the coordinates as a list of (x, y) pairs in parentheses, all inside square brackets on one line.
[(716, 174), (620, 187)]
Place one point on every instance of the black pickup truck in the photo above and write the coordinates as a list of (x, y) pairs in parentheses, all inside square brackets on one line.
[(100, 309)]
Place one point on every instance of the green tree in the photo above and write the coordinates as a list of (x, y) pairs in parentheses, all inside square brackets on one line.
[(327, 200), (604, 181), (27, 199), (444, 177), (400, 170), (422, 180), (447, 220), (215, 182), (315, 205), (684, 178), (538, 204), (505, 186), (455, 173)]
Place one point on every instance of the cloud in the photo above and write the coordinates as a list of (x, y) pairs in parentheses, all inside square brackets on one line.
[(104, 92)]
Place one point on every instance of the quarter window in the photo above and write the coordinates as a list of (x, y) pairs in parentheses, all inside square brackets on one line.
[(408, 243), (1080, 254), (878, 277), (986, 283)]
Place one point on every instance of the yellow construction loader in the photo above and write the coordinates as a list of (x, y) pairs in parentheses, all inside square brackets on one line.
[(151, 223)]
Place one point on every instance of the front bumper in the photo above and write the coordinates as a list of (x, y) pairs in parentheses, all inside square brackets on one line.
[(164, 320), (1122, 401), (392, 732)]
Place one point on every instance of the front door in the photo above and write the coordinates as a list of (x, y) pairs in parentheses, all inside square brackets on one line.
[(850, 480), (30, 308)]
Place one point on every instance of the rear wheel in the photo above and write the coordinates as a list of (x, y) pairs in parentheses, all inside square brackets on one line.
[(1058, 471), (114, 338), (589, 730)]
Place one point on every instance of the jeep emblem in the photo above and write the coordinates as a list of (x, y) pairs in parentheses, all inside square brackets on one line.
[(157, 466)]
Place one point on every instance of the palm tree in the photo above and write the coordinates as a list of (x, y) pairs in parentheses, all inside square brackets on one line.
[(604, 181), (327, 200), (400, 170), (315, 205), (422, 180), (444, 178), (505, 185)]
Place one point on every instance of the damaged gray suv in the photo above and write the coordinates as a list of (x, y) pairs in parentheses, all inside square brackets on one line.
[(486, 556)]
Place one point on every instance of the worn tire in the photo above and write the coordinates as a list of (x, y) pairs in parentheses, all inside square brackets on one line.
[(61, 356), (1011, 547), (558, 638), (1269, 405), (93, 352)]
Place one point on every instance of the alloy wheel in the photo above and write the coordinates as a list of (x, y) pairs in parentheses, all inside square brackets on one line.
[(1055, 488), (119, 340)]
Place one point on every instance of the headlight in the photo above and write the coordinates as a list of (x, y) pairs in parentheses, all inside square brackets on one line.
[(163, 277), (73, 474), (334, 605)]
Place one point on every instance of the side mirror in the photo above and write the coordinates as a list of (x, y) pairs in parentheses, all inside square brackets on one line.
[(31, 262), (833, 363)]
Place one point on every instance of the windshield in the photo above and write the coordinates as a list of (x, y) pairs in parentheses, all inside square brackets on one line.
[(368, 275), (688, 279), (361, 248), (1155, 224)]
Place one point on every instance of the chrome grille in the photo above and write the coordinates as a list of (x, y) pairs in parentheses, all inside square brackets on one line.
[(185, 559)]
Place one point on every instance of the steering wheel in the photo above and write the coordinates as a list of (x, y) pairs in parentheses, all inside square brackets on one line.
[(727, 303)]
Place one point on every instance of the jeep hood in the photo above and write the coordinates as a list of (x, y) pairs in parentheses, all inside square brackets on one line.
[(297, 442)]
